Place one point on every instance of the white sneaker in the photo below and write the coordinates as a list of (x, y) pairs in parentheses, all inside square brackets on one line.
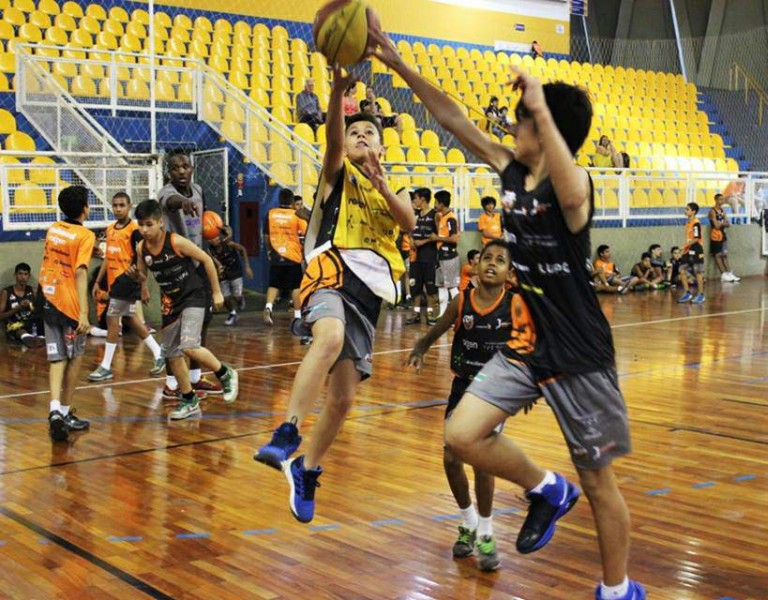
[(232, 320), (734, 278), (185, 409), (725, 277)]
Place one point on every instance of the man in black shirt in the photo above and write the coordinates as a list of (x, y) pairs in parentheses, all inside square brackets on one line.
[(565, 351), (422, 270)]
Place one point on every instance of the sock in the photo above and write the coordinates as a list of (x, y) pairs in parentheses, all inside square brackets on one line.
[(64, 410), (109, 354), (171, 383), (614, 592), (549, 478), (55, 406), (221, 372), (154, 347), (485, 526), (189, 396), (297, 314), (417, 309), (195, 375), (442, 295), (233, 313), (453, 292), (429, 311), (268, 306), (469, 517)]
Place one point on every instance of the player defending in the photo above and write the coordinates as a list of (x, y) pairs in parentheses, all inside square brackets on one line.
[(172, 260), (64, 279), (481, 318), (352, 264), (548, 204), (119, 266)]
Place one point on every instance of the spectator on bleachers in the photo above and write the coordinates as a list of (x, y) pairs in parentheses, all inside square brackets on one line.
[(733, 194), (607, 273), (645, 273), (536, 50), (394, 121), (308, 106), (507, 126), (489, 223), (607, 157), (349, 102), (718, 239), (492, 116)]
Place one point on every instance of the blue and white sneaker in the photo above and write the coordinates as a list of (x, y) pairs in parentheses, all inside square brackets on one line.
[(635, 592), (554, 501), (303, 484), (699, 299), (285, 441), (687, 297)]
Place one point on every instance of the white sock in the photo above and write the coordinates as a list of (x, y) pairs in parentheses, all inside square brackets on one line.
[(268, 306), (195, 375), (98, 332), (469, 517), (109, 354), (429, 310), (171, 383), (417, 309), (64, 410), (154, 347), (233, 313), (442, 295), (614, 592), (549, 478), (25, 335), (55, 406), (485, 526), (297, 314)]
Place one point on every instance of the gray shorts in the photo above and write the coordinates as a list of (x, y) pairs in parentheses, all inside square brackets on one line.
[(589, 407), (62, 342), (121, 308), (449, 274), (185, 333), (358, 331), (231, 287)]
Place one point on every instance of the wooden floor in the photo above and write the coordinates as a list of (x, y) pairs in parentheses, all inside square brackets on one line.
[(140, 508)]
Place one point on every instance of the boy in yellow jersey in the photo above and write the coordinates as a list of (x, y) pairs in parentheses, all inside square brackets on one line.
[(64, 280), (123, 286), (352, 265)]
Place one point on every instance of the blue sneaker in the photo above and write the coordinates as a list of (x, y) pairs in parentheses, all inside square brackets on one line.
[(285, 440), (687, 297), (303, 484), (699, 299), (555, 500), (636, 592)]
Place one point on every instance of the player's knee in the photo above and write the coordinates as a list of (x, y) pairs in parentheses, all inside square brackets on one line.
[(328, 337), (598, 484), (457, 439)]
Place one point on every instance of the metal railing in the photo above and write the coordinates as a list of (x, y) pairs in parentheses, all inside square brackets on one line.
[(739, 77)]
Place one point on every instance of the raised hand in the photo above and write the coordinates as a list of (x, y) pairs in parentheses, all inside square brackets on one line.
[(342, 80), (533, 93), (372, 168)]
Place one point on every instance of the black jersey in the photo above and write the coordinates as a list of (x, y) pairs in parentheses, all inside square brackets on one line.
[(573, 335), (479, 334), (177, 278), (426, 225), (13, 300), (229, 259)]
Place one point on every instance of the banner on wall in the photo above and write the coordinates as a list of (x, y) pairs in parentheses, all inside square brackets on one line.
[(579, 7)]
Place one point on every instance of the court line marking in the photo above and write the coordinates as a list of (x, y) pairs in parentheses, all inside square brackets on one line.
[(381, 353)]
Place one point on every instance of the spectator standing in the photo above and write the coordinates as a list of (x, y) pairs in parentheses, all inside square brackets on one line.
[(718, 239)]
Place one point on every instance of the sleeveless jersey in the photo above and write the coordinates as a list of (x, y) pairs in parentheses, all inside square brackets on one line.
[(479, 334), (284, 230), (120, 255), (692, 234), (177, 277), (188, 226), (13, 300), (425, 226), (490, 224), (572, 333), (229, 259), (449, 225), (718, 235)]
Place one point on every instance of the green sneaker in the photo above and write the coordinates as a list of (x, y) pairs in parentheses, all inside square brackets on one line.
[(230, 385), (487, 557), (465, 543), (158, 367), (185, 409)]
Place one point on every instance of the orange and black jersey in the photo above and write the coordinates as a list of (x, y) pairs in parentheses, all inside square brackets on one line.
[(490, 224), (284, 228), (692, 234), (448, 226), (177, 277), (120, 255)]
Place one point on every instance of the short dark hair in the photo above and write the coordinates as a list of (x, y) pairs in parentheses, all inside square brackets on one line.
[(368, 118), (425, 193), (122, 195), (673, 248), (364, 103), (485, 200), (285, 197), (149, 209), (602, 248), (571, 110), (443, 197), (73, 200), (645, 255), (493, 99), (297, 198), (718, 196), (498, 244), (693, 206), (653, 247), (22, 267), (471, 254)]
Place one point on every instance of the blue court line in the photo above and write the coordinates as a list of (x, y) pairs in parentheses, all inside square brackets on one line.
[(745, 478), (324, 527), (43, 541), (704, 484), (259, 531), (192, 536), (385, 522), (506, 511), (661, 492), (446, 517), (126, 538), (2, 542)]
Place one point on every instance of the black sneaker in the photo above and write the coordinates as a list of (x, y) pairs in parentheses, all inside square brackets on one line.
[(543, 513), (414, 320), (431, 321), (57, 426), (74, 423), (285, 440)]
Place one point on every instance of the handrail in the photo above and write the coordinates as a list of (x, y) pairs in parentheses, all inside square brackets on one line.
[(737, 72)]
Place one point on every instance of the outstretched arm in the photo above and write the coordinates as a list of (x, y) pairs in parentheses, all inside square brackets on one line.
[(334, 129), (446, 321)]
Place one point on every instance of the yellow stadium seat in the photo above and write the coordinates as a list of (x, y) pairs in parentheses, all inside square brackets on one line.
[(184, 93), (40, 19), (7, 32), (233, 131), (211, 111), (7, 122), (96, 11), (395, 154), (415, 155), (305, 132), (26, 6), (202, 23), (136, 29), (410, 139), (30, 198), (391, 138), (83, 86), (283, 173), (72, 9), (65, 69), (18, 140), (239, 80), (14, 16), (408, 122), (429, 139), (114, 27), (258, 152), (49, 7), (308, 173), (106, 41), (673, 197), (90, 25), (42, 175), (183, 21), (7, 63), (280, 151), (164, 92), (14, 175), (455, 156), (435, 155), (141, 17), (241, 29), (162, 20)]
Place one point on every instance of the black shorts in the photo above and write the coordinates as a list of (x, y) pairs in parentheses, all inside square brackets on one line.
[(458, 387), (422, 277), (286, 276), (695, 255), (720, 247)]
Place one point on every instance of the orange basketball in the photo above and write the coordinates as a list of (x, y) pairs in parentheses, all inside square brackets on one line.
[(212, 225)]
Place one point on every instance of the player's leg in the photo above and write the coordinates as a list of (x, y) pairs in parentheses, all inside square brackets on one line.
[(71, 379), (417, 287), (487, 555), (115, 311)]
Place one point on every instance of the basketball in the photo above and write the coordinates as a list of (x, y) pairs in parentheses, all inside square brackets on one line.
[(212, 225), (340, 30)]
